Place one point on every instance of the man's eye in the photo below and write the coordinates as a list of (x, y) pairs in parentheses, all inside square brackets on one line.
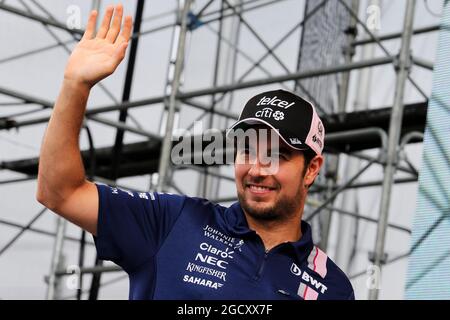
[(245, 151), (278, 155)]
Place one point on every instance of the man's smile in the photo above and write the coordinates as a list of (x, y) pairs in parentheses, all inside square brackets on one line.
[(259, 189)]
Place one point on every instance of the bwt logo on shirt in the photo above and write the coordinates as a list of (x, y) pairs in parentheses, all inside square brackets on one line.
[(308, 278), (274, 101)]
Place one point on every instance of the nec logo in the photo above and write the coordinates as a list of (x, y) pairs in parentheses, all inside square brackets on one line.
[(274, 102), (211, 260)]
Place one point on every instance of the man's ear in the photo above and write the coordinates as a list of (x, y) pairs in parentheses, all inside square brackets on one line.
[(313, 170)]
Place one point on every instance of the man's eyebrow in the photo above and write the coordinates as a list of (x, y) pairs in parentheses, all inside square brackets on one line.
[(282, 149), (244, 144)]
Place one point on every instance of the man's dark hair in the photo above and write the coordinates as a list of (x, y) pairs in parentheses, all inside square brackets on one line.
[(308, 155)]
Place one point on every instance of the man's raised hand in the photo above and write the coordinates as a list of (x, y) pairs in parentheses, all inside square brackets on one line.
[(97, 55)]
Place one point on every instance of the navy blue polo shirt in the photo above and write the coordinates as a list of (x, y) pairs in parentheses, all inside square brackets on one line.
[(179, 247)]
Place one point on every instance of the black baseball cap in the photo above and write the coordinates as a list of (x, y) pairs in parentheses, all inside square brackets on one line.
[(292, 117)]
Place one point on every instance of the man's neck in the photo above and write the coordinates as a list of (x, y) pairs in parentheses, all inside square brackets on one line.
[(273, 233)]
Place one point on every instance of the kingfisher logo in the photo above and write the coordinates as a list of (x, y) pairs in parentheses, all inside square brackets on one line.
[(270, 113), (274, 101)]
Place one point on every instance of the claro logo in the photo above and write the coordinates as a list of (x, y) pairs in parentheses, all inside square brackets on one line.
[(224, 254), (211, 260)]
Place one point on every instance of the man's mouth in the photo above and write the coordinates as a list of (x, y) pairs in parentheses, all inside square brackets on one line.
[(259, 189)]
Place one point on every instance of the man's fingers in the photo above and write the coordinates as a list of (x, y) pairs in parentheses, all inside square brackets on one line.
[(115, 27), (105, 23), (119, 53), (90, 28), (126, 30)]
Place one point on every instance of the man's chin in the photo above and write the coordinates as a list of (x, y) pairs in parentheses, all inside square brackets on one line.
[(261, 205), (260, 210)]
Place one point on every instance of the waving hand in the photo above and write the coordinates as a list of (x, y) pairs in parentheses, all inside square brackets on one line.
[(97, 55)]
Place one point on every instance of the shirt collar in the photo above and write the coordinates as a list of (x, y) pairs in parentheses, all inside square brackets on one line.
[(236, 224)]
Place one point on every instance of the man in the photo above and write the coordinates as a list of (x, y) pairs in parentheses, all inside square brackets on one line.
[(178, 247)]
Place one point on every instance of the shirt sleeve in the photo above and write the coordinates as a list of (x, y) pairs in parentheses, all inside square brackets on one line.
[(351, 296), (132, 226)]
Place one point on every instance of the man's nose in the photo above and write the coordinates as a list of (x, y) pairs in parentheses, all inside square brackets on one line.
[(259, 168)]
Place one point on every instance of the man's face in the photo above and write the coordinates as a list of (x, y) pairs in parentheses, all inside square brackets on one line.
[(264, 193)]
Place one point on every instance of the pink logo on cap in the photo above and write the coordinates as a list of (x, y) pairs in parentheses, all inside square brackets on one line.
[(316, 134)]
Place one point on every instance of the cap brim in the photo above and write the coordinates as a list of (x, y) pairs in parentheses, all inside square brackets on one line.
[(253, 121)]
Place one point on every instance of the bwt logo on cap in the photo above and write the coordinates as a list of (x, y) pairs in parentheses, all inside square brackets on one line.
[(274, 102)]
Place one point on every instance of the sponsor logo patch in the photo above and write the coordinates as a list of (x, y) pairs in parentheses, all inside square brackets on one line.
[(306, 277), (295, 141), (202, 282), (274, 101), (270, 113)]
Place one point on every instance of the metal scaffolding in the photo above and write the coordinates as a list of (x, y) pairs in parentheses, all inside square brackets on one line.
[(349, 133)]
